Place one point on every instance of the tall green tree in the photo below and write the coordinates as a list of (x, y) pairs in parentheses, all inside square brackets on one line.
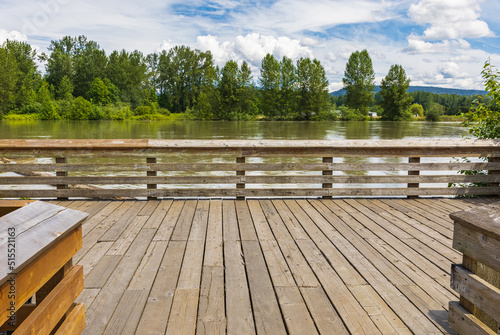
[(8, 80), (270, 80), (288, 88), (312, 85), (359, 81), (182, 74), (395, 99)]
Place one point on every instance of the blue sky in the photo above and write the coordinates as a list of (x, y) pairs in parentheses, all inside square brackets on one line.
[(438, 42)]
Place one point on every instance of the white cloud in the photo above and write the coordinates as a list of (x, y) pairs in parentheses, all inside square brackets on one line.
[(12, 35), (449, 19), (451, 70), (335, 86), (253, 48), (416, 45)]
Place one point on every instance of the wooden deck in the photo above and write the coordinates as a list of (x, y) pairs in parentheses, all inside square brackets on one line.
[(358, 266)]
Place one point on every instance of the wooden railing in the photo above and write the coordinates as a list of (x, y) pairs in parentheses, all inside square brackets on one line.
[(246, 168), (38, 282), (477, 280)]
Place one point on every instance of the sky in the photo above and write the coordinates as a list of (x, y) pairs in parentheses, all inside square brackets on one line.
[(438, 42)]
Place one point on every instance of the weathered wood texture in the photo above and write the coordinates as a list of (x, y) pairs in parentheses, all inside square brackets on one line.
[(39, 241), (271, 266), (264, 168), (477, 280)]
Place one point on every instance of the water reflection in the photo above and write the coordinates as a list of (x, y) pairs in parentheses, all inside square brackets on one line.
[(228, 130)]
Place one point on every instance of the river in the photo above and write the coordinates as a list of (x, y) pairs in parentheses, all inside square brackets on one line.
[(295, 130)]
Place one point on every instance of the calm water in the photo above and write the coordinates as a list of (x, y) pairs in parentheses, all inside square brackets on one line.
[(228, 130)]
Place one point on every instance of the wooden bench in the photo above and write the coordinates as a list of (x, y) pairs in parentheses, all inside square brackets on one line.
[(38, 282), (477, 279)]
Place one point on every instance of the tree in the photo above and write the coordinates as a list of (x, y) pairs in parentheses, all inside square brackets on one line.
[(312, 85), (99, 93), (395, 99), (359, 81), (8, 80), (435, 112), (270, 87), (65, 90), (416, 110), (483, 121), (288, 89), (81, 109)]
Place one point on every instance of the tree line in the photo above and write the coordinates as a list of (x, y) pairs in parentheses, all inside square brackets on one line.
[(82, 82)]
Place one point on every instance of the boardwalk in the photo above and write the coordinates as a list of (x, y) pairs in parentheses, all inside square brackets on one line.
[(358, 266)]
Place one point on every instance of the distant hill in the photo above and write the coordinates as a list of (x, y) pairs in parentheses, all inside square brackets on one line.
[(431, 89)]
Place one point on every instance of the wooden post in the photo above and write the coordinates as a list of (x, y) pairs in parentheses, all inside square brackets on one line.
[(327, 173), (240, 173), (151, 174), (61, 160), (493, 172), (415, 160)]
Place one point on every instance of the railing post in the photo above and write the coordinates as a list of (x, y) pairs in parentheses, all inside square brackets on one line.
[(327, 173), (61, 160), (151, 173), (493, 172), (240, 173), (414, 160), (476, 235)]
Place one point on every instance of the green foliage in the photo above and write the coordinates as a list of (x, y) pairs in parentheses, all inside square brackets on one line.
[(484, 122), (65, 90), (49, 111), (312, 88), (359, 81), (395, 100), (434, 112), (99, 93), (416, 110), (350, 114), (81, 109)]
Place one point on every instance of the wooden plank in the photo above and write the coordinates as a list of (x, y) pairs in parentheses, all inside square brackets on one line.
[(48, 313), (90, 260), (182, 320), (98, 277), (146, 272), (354, 316), (245, 222), (213, 245), (295, 313), (246, 148), (87, 296), (323, 313), (127, 314), (476, 290), (280, 166), (211, 308), (381, 314), (259, 219), (7, 206), (484, 219), (229, 221), (167, 225), (124, 241), (276, 264), (33, 277), (121, 224), (159, 214), (265, 307), (200, 220), (477, 245), (105, 303), (465, 323), (241, 180), (74, 322), (156, 312), (381, 273), (183, 226), (239, 312), (247, 192)]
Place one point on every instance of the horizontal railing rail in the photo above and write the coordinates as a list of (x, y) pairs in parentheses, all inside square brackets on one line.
[(247, 168)]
